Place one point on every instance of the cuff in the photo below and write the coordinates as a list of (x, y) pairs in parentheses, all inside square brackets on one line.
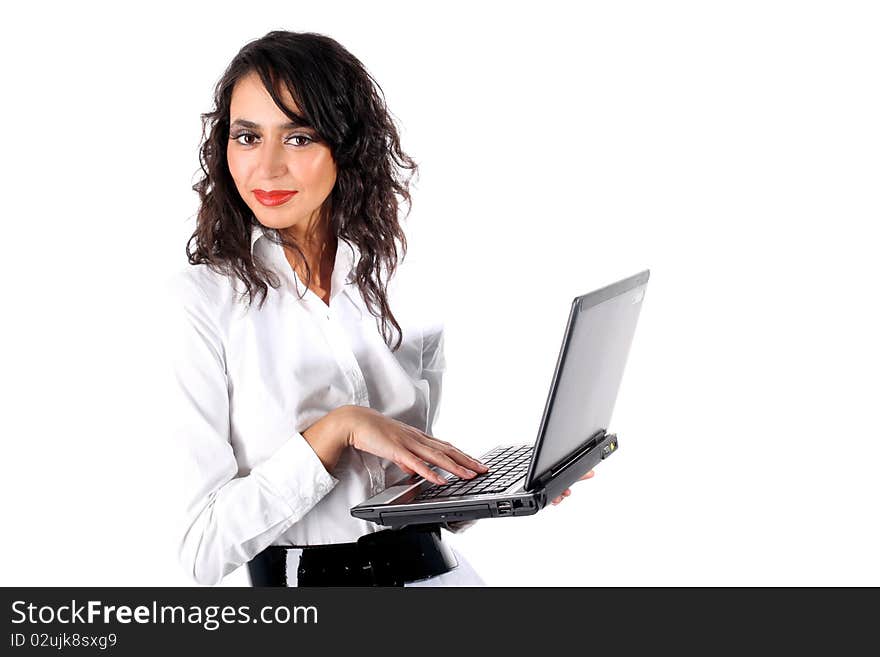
[(458, 526), (296, 474)]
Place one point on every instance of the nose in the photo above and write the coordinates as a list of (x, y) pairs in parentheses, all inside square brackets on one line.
[(272, 162)]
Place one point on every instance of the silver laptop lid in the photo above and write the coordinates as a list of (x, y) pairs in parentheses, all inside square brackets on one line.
[(588, 372)]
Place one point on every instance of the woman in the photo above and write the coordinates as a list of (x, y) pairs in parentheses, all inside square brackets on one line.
[(301, 392)]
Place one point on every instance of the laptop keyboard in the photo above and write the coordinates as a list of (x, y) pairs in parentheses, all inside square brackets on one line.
[(506, 465)]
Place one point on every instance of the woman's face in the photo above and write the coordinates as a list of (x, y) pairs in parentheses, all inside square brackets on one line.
[(267, 154)]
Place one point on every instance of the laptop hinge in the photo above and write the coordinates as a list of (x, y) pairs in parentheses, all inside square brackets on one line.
[(586, 447)]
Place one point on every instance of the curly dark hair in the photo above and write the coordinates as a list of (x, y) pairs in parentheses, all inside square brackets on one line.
[(342, 102)]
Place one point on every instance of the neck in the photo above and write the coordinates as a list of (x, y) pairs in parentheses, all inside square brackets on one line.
[(318, 246)]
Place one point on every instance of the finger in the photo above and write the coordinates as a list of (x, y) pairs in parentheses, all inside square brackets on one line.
[(566, 492), (589, 475), (557, 500), (421, 468), (443, 454), (466, 460), (437, 457), (455, 454)]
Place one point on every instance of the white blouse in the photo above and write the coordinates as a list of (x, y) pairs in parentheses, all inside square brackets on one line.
[(251, 380)]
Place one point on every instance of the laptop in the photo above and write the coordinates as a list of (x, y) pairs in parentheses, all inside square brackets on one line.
[(572, 438)]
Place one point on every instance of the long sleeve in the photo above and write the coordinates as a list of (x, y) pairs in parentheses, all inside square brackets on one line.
[(228, 517), (433, 366)]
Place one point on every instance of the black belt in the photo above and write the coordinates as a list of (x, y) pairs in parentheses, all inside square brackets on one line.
[(390, 557)]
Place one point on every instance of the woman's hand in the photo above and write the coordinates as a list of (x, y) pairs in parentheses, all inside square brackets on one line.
[(369, 431), (567, 491)]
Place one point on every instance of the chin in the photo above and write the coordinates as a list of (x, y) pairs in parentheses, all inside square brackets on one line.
[(276, 222)]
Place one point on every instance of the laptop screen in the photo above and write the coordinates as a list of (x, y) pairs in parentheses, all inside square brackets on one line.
[(588, 372)]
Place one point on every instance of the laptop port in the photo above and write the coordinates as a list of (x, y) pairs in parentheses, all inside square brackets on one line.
[(505, 508)]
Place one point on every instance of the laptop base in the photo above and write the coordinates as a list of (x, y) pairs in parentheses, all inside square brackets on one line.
[(495, 505)]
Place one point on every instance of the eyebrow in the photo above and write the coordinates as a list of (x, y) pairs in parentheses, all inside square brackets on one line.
[(301, 123)]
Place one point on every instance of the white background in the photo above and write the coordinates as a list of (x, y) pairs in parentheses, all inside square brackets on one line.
[(732, 148)]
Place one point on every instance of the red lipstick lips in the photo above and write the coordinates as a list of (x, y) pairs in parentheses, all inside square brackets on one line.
[(274, 198)]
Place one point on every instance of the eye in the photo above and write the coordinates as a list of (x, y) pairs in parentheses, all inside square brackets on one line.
[(240, 135), (307, 140), (298, 140)]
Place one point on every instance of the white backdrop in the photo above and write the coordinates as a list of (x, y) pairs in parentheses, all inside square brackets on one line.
[(732, 148)]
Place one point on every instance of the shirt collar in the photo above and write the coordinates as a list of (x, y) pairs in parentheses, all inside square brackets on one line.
[(347, 255), (256, 234)]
